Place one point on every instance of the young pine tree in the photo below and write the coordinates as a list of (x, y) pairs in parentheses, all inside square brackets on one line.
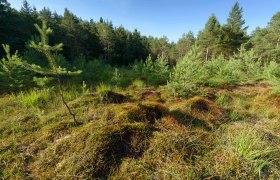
[(188, 74), (48, 50), (13, 76), (44, 47)]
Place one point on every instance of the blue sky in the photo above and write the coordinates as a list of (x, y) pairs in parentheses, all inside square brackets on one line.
[(171, 18)]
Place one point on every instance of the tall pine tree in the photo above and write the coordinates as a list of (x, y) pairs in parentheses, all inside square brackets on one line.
[(209, 39), (184, 44), (233, 32), (266, 41)]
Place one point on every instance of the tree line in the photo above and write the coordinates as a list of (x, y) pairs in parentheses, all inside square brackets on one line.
[(116, 45)]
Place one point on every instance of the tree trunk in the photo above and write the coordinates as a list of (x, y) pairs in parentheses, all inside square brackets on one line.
[(63, 99), (206, 56)]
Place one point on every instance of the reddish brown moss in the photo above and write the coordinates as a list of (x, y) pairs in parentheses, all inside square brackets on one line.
[(147, 112), (151, 95), (202, 109), (170, 123), (148, 94), (113, 97)]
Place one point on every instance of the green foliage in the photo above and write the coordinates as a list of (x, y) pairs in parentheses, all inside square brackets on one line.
[(272, 74), (209, 39), (190, 74), (223, 99), (233, 34), (222, 71), (249, 144), (184, 44), (16, 73), (44, 47), (42, 81), (12, 75), (102, 90), (235, 21), (36, 98), (187, 74), (138, 84), (266, 41), (94, 71), (250, 62), (158, 46), (243, 66), (272, 71), (152, 72), (84, 88), (113, 142)]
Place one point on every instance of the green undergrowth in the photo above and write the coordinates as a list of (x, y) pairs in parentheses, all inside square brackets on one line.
[(191, 75), (228, 133)]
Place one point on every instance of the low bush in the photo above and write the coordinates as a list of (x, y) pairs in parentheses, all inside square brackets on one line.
[(153, 72), (138, 84), (187, 75), (190, 74)]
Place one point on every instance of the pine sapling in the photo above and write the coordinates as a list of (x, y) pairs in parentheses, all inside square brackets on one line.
[(48, 50), (44, 47)]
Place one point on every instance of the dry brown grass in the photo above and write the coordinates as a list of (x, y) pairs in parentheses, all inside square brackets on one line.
[(201, 109), (145, 138)]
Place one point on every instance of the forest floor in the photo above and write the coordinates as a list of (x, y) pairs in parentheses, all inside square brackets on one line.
[(231, 132)]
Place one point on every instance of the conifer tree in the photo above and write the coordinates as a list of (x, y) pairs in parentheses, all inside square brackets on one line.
[(44, 47), (235, 20), (26, 8), (209, 39), (70, 26), (274, 30), (107, 38), (48, 51), (185, 43), (266, 41), (233, 33), (12, 75)]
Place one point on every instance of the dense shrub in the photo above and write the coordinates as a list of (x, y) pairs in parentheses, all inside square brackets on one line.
[(93, 71), (191, 73), (272, 71), (153, 72), (187, 74)]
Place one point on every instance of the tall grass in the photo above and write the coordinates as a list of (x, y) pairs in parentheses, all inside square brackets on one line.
[(36, 98), (252, 145), (272, 74)]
